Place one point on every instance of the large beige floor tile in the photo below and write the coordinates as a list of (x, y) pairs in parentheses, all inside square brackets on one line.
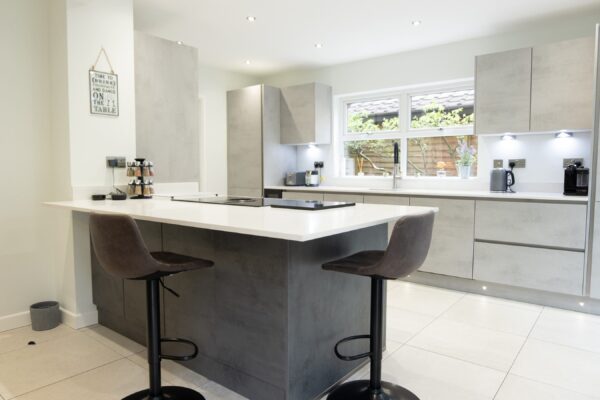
[(18, 338), (518, 388), (33, 367), (435, 377), (421, 299), (403, 324), (497, 314), (558, 365), (119, 343), (172, 372), (569, 328), (471, 343), (110, 382)]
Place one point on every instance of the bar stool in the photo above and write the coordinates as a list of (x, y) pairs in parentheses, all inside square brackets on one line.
[(122, 252), (406, 252)]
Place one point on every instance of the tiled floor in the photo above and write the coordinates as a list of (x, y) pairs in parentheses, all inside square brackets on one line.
[(441, 344)]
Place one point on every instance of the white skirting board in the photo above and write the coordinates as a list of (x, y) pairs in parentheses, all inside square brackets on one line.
[(79, 320), (14, 321), (74, 320)]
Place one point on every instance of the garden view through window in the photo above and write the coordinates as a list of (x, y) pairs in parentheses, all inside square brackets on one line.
[(436, 137)]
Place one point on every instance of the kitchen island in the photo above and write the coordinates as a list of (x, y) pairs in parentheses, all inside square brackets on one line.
[(266, 316)]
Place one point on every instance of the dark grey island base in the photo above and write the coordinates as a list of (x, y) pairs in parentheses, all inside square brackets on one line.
[(265, 317)]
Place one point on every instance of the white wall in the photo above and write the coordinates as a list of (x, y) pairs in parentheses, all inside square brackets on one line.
[(91, 25), (446, 63), (25, 271), (213, 87)]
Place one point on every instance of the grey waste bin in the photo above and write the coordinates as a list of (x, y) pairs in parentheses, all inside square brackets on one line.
[(44, 315)]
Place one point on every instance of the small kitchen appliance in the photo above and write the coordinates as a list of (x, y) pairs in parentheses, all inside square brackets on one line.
[(312, 178), (295, 179), (501, 180), (576, 180)]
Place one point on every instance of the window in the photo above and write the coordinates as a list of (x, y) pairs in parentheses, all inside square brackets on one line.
[(373, 116), (433, 127)]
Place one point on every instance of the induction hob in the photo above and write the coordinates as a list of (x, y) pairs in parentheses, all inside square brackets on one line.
[(266, 202)]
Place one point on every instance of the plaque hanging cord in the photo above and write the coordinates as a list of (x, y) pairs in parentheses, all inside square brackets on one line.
[(102, 51)]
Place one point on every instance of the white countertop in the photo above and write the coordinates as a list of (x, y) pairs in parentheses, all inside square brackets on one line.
[(476, 194), (297, 225)]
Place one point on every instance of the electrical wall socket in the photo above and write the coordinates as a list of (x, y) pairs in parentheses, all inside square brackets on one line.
[(498, 163), (569, 161), (319, 164), (519, 162), (115, 162)]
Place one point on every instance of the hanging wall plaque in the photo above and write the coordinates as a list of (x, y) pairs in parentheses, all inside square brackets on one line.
[(104, 89)]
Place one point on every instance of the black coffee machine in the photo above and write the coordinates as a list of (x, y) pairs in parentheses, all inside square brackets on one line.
[(576, 180)]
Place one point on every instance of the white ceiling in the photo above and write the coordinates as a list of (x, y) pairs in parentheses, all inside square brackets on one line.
[(285, 31)]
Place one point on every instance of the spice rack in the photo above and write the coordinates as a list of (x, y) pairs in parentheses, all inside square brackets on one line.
[(140, 187)]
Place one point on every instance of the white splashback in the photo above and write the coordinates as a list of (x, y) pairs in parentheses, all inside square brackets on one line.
[(544, 171)]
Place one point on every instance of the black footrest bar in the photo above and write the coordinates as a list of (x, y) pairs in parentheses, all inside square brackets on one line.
[(179, 358), (349, 339)]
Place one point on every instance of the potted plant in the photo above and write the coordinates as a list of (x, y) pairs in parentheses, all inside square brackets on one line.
[(465, 157)]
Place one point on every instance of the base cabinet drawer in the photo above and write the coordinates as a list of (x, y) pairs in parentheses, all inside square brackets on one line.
[(347, 197), (544, 224), (451, 251), (303, 196), (551, 270), (393, 200)]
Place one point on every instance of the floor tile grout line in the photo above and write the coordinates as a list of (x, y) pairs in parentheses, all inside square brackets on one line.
[(38, 342), (519, 352), (67, 378), (457, 359), (108, 347), (556, 386)]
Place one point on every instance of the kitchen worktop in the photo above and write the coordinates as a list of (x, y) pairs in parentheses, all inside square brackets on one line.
[(296, 225), (477, 194)]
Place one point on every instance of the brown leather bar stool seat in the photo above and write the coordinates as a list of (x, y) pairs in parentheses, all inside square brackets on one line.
[(121, 251), (406, 252)]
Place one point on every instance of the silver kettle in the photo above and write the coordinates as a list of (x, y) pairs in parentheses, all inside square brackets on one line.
[(501, 180)]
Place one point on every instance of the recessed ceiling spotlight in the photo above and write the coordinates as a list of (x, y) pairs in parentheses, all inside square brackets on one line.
[(416, 22), (250, 18), (318, 45), (248, 62), (563, 134), (508, 136), (179, 42)]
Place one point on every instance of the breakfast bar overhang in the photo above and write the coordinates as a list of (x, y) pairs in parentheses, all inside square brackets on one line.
[(266, 317)]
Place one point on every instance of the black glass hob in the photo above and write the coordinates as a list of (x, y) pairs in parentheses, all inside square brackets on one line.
[(267, 202)]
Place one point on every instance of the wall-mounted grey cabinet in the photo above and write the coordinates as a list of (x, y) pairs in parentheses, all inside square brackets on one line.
[(306, 114), (562, 85), (503, 92), (544, 88), (255, 156)]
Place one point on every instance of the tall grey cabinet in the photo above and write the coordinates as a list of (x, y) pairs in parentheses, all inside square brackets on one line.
[(255, 157)]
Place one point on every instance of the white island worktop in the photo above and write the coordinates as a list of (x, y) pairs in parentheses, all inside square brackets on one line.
[(278, 223)]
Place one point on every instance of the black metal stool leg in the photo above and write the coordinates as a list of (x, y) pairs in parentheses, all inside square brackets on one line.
[(374, 388), (156, 391)]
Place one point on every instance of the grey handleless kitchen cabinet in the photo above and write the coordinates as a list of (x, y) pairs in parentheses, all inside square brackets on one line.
[(451, 251), (503, 92), (306, 114), (255, 157), (562, 85)]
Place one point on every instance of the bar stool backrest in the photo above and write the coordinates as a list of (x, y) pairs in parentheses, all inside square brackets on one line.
[(408, 246), (119, 246)]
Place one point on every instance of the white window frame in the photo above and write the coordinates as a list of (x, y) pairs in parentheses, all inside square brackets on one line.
[(405, 132)]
